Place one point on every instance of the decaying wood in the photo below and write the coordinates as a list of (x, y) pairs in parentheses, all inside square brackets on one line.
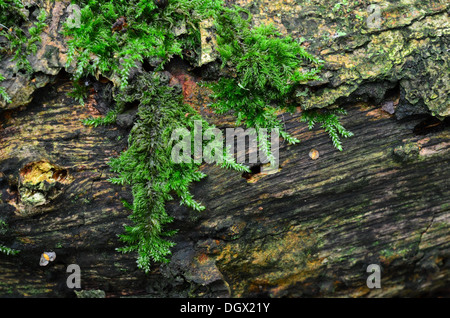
[(311, 229), (86, 216)]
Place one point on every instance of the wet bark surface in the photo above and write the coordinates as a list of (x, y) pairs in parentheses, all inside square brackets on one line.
[(314, 227), (309, 230), (81, 224)]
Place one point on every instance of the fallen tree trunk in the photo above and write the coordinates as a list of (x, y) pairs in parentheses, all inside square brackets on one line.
[(311, 229)]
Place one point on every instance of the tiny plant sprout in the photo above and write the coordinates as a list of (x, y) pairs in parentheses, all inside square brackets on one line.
[(46, 258)]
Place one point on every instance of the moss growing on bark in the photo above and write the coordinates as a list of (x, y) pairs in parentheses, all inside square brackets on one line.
[(267, 67), (115, 39)]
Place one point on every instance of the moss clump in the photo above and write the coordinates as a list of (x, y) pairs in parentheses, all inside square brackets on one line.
[(99, 47), (147, 166), (265, 70)]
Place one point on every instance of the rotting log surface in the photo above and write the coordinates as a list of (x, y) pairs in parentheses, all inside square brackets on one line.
[(309, 230), (313, 228), (81, 224)]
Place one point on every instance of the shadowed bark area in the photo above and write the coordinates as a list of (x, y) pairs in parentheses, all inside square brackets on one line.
[(80, 224)]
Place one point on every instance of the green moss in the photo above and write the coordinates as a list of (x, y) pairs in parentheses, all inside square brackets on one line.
[(151, 34), (329, 121), (3, 93), (147, 166), (4, 249), (148, 34), (265, 67)]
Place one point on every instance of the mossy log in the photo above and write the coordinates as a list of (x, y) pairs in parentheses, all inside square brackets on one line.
[(311, 229)]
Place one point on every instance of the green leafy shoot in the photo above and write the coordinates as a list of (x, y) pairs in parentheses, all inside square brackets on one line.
[(109, 118), (79, 92), (4, 249), (329, 121)]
